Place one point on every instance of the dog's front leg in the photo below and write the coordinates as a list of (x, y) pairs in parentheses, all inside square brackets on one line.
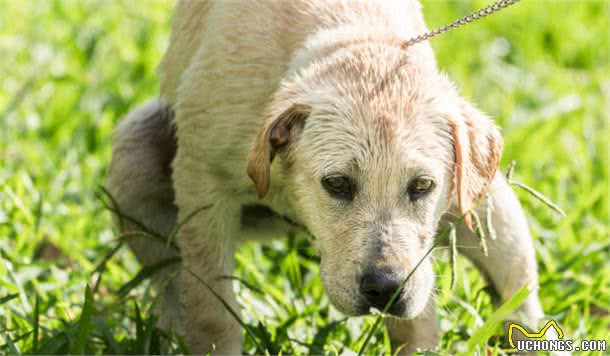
[(511, 259), (207, 245), (421, 333)]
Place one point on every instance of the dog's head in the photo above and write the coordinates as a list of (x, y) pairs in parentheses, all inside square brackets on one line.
[(372, 152)]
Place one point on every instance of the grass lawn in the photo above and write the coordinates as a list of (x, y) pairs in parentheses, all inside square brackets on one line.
[(69, 70)]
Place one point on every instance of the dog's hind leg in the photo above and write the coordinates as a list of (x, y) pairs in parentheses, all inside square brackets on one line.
[(140, 182), (511, 260)]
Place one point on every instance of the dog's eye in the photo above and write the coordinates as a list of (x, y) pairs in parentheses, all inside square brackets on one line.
[(339, 187), (420, 187)]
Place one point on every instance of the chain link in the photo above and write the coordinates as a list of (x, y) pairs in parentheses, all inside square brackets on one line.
[(477, 15)]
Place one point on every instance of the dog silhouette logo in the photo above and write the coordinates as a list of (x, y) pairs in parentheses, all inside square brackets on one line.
[(534, 336)]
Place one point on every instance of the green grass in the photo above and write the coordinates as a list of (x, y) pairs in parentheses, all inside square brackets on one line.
[(71, 69)]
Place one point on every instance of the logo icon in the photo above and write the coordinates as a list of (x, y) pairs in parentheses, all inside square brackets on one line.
[(535, 336)]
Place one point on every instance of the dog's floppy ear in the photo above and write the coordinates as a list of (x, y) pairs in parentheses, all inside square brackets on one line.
[(478, 148), (275, 135)]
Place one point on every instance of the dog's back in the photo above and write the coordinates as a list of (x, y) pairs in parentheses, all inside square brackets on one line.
[(235, 27)]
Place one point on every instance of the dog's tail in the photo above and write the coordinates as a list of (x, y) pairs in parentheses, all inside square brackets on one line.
[(140, 176), (140, 182)]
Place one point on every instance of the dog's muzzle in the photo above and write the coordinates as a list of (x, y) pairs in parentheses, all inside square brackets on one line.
[(378, 286)]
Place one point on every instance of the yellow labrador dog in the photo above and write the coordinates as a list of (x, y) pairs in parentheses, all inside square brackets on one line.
[(276, 114)]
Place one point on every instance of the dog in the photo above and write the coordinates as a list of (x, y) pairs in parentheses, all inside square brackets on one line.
[(276, 116)]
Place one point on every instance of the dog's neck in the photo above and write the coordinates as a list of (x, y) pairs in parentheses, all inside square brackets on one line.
[(326, 42)]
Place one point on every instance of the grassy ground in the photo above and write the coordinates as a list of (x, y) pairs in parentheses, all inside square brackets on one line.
[(70, 69)]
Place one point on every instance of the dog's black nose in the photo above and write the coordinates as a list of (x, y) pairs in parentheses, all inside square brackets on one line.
[(379, 285)]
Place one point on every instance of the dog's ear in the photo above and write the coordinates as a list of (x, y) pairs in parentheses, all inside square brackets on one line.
[(275, 135), (478, 148)]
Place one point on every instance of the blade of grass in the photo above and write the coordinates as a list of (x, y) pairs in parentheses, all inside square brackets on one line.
[(181, 343), (140, 342), (8, 298), (319, 340), (245, 283), (151, 339), (36, 319), (387, 343), (510, 170), (282, 329), (480, 337), (453, 255), (313, 349), (115, 204), (55, 344), (536, 194), (107, 336), (268, 289), (264, 335), (488, 220), (84, 324), (479, 231), (101, 266), (38, 214), (187, 218), (145, 273), (154, 346), (11, 346), (294, 270), (124, 217)]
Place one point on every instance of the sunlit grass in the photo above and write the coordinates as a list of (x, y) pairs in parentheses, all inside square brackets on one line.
[(70, 70)]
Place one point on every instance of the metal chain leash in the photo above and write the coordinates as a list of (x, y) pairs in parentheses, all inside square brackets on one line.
[(477, 15)]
